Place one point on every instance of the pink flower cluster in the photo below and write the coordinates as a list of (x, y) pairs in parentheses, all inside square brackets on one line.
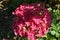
[(31, 21)]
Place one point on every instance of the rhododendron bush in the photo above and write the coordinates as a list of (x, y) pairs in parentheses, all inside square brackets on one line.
[(31, 21)]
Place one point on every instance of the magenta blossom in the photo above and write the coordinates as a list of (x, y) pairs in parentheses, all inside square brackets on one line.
[(31, 21)]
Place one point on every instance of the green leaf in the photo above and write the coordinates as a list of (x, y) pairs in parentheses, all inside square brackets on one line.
[(23, 38), (57, 34), (43, 38)]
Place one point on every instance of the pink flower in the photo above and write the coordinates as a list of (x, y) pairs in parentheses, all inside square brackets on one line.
[(31, 21)]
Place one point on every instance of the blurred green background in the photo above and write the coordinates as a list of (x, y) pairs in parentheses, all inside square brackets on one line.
[(6, 18)]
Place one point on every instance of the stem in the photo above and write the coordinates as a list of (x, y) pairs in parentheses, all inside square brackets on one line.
[(44, 3)]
